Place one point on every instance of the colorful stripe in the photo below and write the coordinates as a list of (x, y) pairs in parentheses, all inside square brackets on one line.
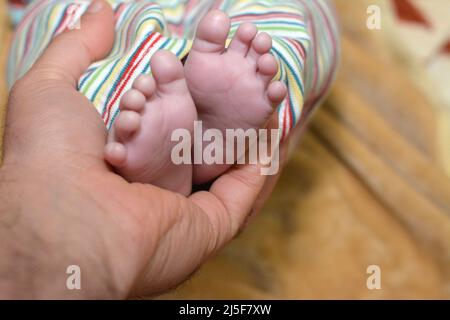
[(305, 44)]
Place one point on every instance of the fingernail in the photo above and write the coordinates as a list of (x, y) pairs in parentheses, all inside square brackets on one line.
[(95, 7)]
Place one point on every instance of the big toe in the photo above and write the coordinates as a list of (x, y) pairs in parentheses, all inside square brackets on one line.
[(167, 69), (212, 32)]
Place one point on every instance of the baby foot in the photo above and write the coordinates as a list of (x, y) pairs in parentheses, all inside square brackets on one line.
[(232, 88), (140, 144)]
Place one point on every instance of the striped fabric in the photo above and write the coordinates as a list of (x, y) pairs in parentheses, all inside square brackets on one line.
[(304, 32)]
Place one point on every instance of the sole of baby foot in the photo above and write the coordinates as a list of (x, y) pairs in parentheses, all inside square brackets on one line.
[(232, 87), (140, 145)]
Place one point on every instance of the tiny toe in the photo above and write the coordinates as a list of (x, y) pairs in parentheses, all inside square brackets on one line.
[(212, 32), (260, 45), (115, 154), (145, 84), (267, 67), (132, 100), (276, 92), (167, 69), (242, 40), (126, 124)]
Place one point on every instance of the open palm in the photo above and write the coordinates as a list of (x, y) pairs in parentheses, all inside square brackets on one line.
[(128, 239)]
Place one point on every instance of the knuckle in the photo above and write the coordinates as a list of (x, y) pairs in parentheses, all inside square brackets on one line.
[(19, 88)]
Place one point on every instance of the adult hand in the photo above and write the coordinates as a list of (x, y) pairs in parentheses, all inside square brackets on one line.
[(61, 205)]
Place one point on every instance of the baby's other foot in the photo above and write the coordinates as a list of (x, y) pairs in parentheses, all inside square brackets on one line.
[(139, 144), (232, 88)]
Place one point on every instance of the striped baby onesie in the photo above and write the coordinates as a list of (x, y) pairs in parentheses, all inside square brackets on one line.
[(305, 44)]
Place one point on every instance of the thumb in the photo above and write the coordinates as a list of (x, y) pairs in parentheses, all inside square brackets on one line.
[(70, 53), (37, 98)]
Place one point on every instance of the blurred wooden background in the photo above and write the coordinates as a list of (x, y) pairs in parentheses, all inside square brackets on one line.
[(365, 187)]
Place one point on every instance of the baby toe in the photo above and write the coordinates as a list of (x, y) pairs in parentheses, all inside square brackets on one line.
[(145, 84), (115, 154), (267, 67), (133, 100), (126, 124), (276, 92), (260, 45), (243, 38)]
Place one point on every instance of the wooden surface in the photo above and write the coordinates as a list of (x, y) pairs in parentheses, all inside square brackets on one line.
[(363, 188)]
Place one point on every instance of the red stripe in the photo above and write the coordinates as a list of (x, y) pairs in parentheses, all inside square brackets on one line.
[(283, 131), (130, 66), (299, 49), (130, 70)]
